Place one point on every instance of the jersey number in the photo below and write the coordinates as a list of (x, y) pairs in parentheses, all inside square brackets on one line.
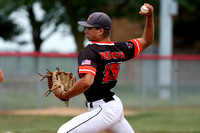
[(111, 72)]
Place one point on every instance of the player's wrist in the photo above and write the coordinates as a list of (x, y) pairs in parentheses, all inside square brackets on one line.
[(62, 96)]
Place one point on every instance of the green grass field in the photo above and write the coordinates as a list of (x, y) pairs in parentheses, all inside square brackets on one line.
[(157, 120)]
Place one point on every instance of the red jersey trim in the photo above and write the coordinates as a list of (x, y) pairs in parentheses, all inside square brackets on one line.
[(138, 47), (87, 69), (104, 43)]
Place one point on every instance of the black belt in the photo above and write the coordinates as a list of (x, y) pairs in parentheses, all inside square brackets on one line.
[(107, 99)]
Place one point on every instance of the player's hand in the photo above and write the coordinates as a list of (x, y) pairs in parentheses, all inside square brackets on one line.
[(151, 10)]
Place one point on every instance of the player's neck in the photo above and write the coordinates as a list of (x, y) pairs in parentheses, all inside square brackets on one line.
[(106, 39)]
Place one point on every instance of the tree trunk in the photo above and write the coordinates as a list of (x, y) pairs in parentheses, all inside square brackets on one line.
[(35, 29), (79, 37), (73, 20)]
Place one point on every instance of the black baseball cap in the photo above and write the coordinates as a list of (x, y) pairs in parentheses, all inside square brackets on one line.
[(97, 19)]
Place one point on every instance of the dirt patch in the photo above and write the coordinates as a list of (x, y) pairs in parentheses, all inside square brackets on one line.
[(58, 111)]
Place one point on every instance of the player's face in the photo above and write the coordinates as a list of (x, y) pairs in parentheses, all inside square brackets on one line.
[(93, 34)]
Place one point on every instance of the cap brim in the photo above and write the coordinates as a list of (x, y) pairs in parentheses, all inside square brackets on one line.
[(85, 24)]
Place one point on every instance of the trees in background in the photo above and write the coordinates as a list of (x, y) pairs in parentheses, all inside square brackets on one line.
[(51, 16), (69, 12), (186, 27), (8, 28)]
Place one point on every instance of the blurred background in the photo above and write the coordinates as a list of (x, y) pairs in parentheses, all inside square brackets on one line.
[(36, 35)]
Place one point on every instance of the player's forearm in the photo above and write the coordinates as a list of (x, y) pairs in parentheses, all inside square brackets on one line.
[(148, 34), (79, 87)]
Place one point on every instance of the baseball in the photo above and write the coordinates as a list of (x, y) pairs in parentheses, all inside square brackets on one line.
[(144, 9)]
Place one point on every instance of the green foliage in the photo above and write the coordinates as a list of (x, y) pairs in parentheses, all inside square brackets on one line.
[(189, 6), (52, 16), (185, 25), (79, 10), (8, 28), (71, 11), (130, 8)]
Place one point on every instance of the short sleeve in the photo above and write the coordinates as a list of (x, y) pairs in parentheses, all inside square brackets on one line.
[(87, 62), (131, 48), (137, 48)]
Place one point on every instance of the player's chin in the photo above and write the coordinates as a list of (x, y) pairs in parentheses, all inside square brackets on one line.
[(87, 37)]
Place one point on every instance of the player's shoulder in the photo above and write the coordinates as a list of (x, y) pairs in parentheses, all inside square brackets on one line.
[(89, 50), (99, 46), (128, 43)]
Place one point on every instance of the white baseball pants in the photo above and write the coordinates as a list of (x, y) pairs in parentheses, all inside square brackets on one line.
[(101, 117)]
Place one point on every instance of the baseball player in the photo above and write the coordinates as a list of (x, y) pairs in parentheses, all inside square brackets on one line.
[(1, 76), (98, 70)]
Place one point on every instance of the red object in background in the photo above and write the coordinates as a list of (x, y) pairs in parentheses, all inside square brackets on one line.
[(1, 76), (75, 55)]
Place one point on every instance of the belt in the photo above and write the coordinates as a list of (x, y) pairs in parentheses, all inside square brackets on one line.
[(98, 102)]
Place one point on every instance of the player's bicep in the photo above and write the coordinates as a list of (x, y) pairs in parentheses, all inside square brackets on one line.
[(144, 44), (88, 78)]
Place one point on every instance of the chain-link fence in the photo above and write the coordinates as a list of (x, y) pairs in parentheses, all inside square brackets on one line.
[(143, 82)]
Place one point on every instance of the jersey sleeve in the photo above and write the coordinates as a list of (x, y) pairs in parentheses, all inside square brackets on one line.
[(131, 48), (87, 63), (138, 47)]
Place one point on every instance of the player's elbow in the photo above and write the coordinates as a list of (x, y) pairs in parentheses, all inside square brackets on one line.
[(148, 40), (87, 80), (85, 85), (145, 43)]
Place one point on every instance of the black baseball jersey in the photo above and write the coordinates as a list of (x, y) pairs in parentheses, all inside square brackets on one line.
[(102, 59)]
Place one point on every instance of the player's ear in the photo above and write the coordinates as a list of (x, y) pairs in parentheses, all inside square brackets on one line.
[(101, 31)]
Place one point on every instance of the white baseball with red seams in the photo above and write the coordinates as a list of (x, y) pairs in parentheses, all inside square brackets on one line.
[(144, 9)]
